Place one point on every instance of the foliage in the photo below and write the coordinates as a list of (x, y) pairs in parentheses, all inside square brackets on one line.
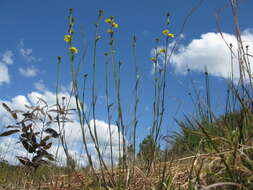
[(149, 150), (34, 132)]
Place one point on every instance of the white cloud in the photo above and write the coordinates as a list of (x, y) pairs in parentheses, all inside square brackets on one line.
[(181, 36), (28, 72), (9, 149), (102, 130), (4, 74), (8, 57), (27, 53), (210, 51), (40, 86)]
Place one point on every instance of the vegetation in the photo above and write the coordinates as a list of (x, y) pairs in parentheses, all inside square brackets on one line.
[(34, 141), (210, 152)]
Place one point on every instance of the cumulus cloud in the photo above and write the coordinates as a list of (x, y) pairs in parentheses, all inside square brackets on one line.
[(210, 51), (28, 72), (9, 149)]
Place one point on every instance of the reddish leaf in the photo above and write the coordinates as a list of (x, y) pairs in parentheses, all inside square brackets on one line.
[(25, 161), (26, 128), (7, 133), (12, 126), (13, 114)]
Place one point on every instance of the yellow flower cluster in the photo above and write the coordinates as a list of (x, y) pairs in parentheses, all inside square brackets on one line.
[(112, 23), (110, 31), (167, 33), (153, 59), (67, 38), (108, 20), (115, 25), (162, 50)]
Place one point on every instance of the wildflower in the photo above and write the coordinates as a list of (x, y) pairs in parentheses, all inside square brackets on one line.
[(115, 25), (162, 50), (153, 59), (108, 20), (73, 50), (165, 32), (110, 31), (171, 35), (67, 38)]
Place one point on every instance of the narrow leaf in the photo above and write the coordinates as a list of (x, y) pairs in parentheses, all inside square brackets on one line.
[(6, 107), (7, 133), (13, 114), (47, 146), (25, 161), (28, 146), (12, 126), (52, 132), (49, 157)]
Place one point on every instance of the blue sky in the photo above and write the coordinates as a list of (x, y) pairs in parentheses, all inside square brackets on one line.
[(32, 37)]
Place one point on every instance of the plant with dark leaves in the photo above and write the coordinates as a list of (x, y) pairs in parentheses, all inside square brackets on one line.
[(34, 131)]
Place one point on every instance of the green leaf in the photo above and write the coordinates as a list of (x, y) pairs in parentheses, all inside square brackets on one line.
[(47, 146), (49, 157), (46, 138), (7, 133)]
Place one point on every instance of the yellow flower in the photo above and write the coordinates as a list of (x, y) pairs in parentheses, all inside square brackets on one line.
[(171, 35), (67, 38), (73, 50), (110, 31), (108, 20), (153, 59), (165, 32), (115, 25), (162, 50)]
